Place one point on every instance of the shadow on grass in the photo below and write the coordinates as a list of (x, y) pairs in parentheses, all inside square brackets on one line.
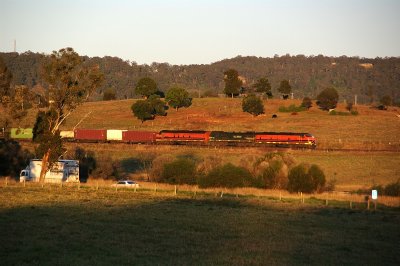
[(92, 228)]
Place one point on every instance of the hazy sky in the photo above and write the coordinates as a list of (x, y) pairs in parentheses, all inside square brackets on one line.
[(202, 31)]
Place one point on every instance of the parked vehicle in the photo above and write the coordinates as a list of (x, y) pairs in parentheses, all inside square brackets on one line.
[(61, 171), (126, 184)]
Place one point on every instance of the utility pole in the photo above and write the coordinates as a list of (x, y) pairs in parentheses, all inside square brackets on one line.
[(15, 45)]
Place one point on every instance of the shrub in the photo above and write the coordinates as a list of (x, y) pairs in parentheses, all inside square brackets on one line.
[(393, 189), (291, 109), (305, 178), (253, 105), (106, 168), (334, 112), (272, 170), (180, 171), (109, 94), (227, 175), (307, 103), (157, 166)]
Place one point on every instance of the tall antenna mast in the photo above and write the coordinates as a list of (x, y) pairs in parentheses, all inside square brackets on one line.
[(15, 45)]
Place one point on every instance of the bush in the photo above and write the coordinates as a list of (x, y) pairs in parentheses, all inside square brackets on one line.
[(106, 168), (272, 170), (253, 105), (180, 171), (305, 178), (228, 175), (354, 112), (109, 94), (306, 103), (291, 109), (393, 189)]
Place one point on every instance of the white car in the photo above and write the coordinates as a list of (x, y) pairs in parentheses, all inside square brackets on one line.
[(126, 183)]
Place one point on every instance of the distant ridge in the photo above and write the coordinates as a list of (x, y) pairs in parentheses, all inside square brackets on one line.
[(369, 79)]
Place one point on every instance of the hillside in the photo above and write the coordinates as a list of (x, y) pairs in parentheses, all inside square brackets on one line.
[(370, 79), (371, 129)]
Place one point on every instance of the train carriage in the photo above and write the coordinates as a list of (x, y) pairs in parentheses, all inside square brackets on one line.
[(183, 136), (144, 137), (232, 138), (286, 139)]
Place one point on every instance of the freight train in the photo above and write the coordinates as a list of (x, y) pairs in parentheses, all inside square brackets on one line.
[(181, 137)]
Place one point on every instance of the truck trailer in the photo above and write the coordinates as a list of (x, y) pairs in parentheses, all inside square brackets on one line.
[(60, 171)]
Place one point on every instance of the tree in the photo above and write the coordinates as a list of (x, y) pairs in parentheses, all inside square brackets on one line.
[(12, 99), (263, 85), (70, 83), (109, 94), (146, 87), (306, 103), (42, 134), (178, 97), (158, 105), (284, 88), (232, 82), (148, 109), (328, 99), (143, 110), (253, 105)]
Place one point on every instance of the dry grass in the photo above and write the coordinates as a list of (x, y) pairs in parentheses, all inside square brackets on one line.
[(371, 129), (195, 191)]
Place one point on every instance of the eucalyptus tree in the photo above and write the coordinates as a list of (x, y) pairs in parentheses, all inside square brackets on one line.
[(70, 82)]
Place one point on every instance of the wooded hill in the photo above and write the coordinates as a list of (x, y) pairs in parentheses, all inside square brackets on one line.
[(369, 79)]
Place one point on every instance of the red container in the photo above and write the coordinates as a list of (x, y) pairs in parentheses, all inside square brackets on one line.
[(90, 134), (138, 136), (184, 136)]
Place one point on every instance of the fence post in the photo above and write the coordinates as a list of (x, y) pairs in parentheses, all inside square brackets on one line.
[(301, 197), (326, 202), (6, 180), (97, 185), (24, 182), (368, 204), (280, 195), (351, 205), (222, 194), (175, 190)]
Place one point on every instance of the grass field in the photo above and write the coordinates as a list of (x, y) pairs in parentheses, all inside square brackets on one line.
[(67, 226), (371, 129), (351, 170)]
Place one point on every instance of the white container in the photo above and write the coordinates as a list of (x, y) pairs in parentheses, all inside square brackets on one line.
[(65, 134), (114, 134)]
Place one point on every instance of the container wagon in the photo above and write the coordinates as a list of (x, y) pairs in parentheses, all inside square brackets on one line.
[(90, 135), (145, 137)]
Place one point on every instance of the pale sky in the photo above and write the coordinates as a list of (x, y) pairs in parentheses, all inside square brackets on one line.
[(202, 31)]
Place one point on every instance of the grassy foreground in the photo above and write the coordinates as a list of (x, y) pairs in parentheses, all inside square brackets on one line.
[(66, 226)]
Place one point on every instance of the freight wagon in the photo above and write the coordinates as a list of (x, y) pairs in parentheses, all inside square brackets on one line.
[(179, 137)]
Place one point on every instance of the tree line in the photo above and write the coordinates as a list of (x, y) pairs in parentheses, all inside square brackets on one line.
[(369, 79)]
